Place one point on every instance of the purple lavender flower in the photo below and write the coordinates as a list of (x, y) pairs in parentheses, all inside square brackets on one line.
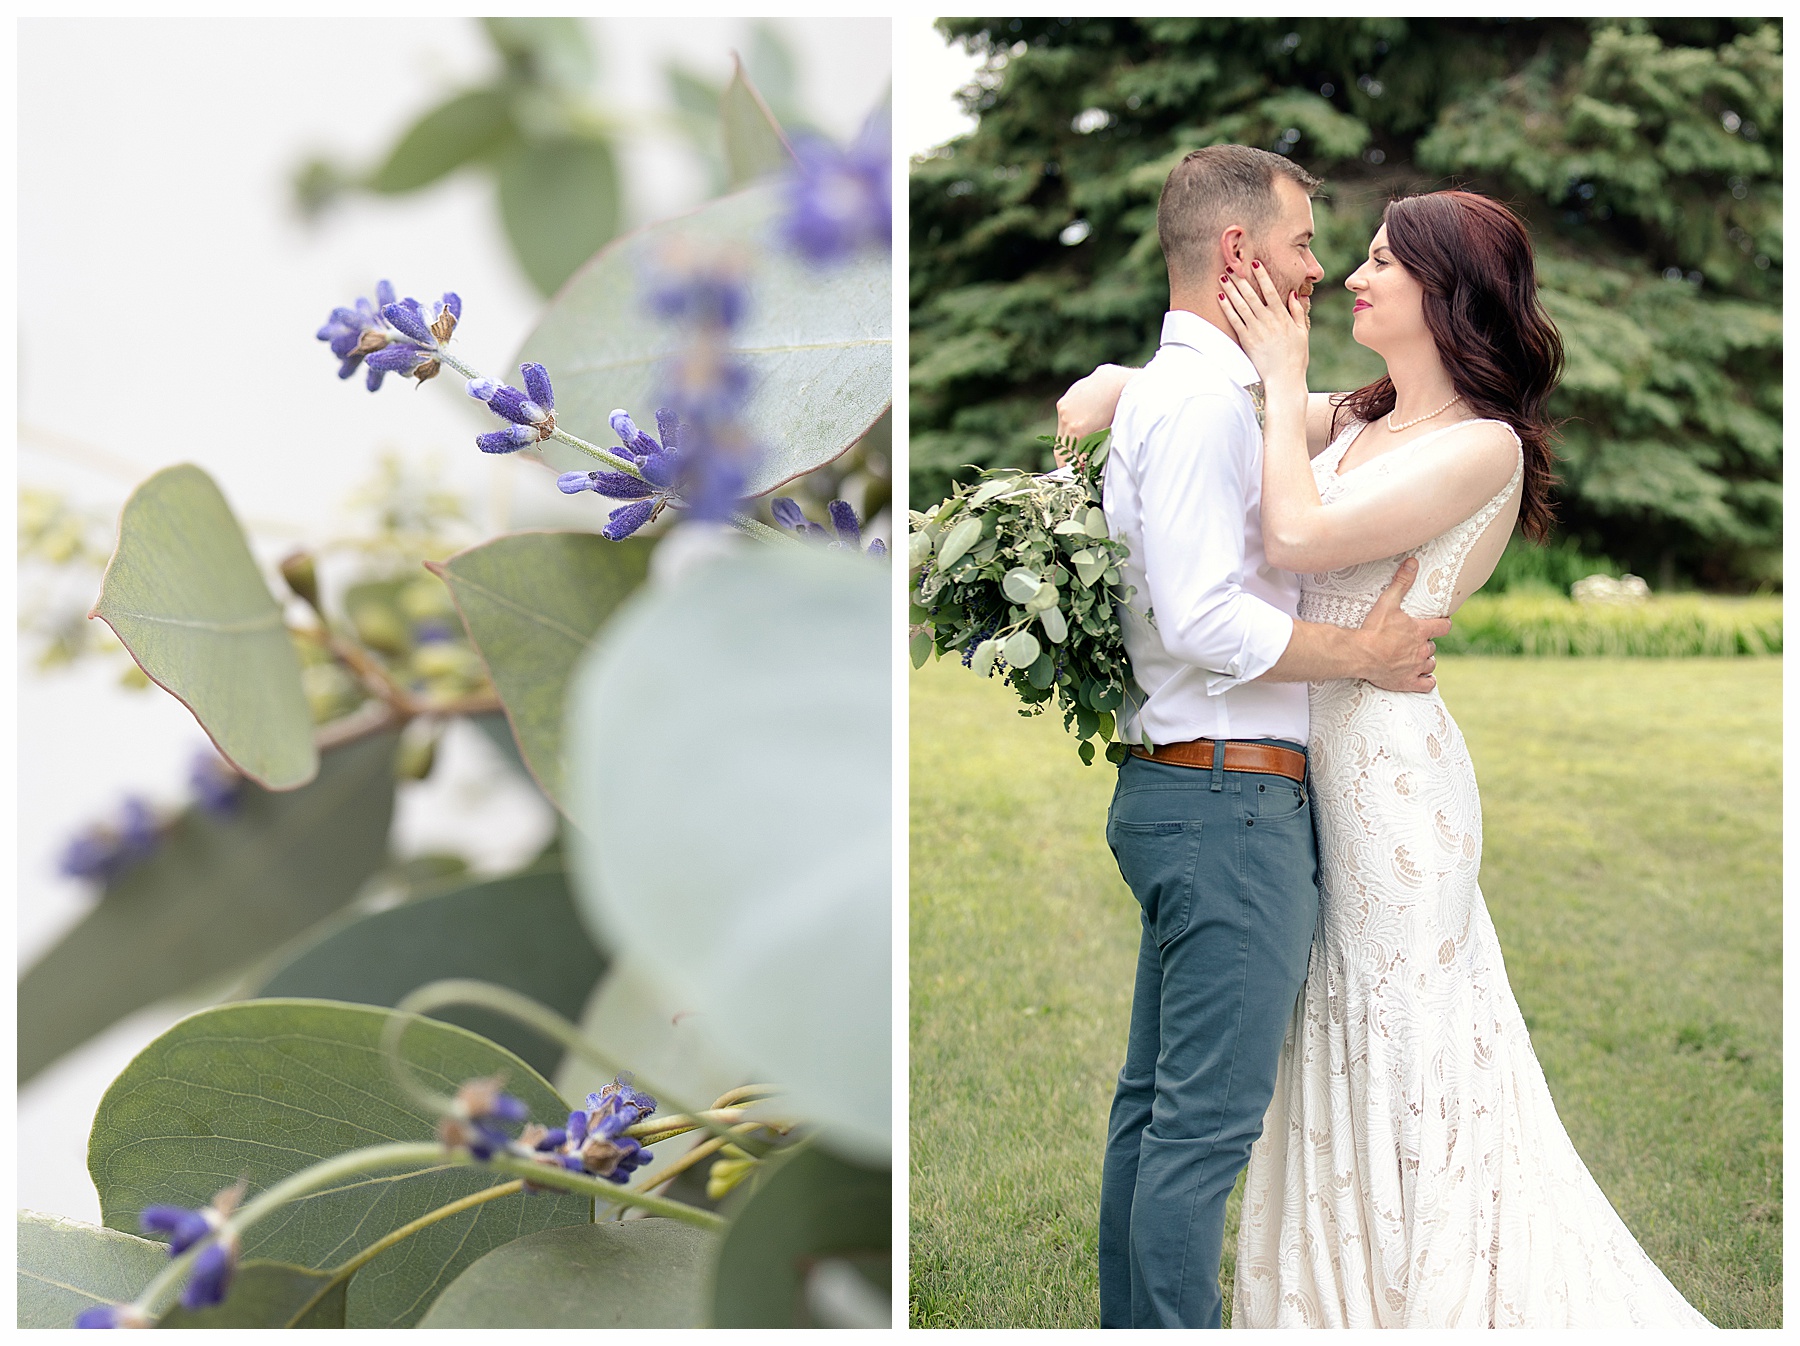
[(215, 785), (183, 1227), (706, 296), (788, 514), (475, 1122), (106, 850), (594, 1141), (216, 1263), (112, 1315), (394, 336), (532, 412), (841, 200), (212, 1273), (659, 463)]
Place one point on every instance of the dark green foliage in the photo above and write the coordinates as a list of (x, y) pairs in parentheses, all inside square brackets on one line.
[(1644, 154)]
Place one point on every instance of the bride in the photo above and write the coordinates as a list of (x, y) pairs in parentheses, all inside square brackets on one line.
[(1412, 1171)]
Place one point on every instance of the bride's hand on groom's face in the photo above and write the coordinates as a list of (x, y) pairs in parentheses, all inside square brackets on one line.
[(1273, 332)]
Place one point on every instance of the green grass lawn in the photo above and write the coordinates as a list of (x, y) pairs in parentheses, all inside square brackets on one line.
[(1632, 867)]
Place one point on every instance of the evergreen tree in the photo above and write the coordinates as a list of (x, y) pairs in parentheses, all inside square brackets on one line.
[(1645, 154)]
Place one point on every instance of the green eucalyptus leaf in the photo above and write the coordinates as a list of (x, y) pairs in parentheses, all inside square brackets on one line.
[(66, 1266), (1043, 600), (631, 1274), (985, 655), (918, 549), (1021, 649), (559, 200), (1086, 749), (952, 545), (1089, 567), (218, 893), (184, 595), (919, 647), (631, 1015), (271, 1294), (745, 862), (452, 134), (521, 932), (553, 50), (1096, 522), (1051, 619), (812, 1206), (1042, 671), (988, 490), (1021, 585), (264, 1088), (531, 603), (754, 144), (813, 337)]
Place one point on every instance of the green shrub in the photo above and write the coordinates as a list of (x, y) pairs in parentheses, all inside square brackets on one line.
[(1525, 565), (1535, 621)]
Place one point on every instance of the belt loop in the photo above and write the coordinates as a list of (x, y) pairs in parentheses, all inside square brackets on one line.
[(1218, 772)]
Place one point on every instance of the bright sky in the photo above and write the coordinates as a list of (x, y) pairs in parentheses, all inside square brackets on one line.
[(935, 70)]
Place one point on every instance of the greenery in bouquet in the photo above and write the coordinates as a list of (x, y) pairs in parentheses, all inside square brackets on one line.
[(417, 1105), (1020, 575)]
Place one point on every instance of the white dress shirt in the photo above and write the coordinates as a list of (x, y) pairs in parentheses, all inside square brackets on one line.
[(1183, 490)]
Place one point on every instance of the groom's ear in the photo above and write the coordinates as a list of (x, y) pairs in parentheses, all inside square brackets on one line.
[(1231, 246)]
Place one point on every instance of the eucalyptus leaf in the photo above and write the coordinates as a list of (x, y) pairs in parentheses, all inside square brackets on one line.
[(1021, 585), (985, 655), (1051, 619), (920, 648), (452, 134), (812, 1206), (218, 893), (988, 490), (630, 1274), (1043, 600), (520, 932), (729, 790), (633, 1016), (265, 1088), (951, 545), (66, 1266), (818, 338), (918, 549), (183, 594), (1088, 567), (531, 603), (1096, 522), (1020, 649), (754, 143), (553, 50), (559, 200), (270, 1294)]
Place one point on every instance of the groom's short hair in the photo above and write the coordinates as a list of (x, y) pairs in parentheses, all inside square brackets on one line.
[(1214, 188)]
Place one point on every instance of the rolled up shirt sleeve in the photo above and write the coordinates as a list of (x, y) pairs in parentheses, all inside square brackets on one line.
[(1200, 481)]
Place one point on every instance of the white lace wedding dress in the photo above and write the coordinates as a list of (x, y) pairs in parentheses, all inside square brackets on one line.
[(1412, 1171)]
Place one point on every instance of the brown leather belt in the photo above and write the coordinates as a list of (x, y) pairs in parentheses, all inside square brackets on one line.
[(1258, 757)]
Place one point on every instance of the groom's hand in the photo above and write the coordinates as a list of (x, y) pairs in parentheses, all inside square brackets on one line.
[(1401, 655)]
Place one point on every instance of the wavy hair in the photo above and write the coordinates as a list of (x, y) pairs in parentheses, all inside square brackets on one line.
[(1503, 354)]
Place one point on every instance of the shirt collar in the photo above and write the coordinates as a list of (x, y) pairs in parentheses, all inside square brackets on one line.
[(1181, 328)]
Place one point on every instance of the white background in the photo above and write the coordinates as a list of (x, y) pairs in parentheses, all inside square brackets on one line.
[(167, 300)]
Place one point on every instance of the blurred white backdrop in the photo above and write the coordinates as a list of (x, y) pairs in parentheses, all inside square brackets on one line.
[(167, 298)]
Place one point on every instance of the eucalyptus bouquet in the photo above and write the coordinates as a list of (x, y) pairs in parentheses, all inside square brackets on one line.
[(416, 1107), (1020, 574)]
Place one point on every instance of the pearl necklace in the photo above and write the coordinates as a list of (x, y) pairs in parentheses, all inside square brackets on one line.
[(1419, 420)]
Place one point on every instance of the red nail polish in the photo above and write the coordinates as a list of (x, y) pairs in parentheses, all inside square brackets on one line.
[(1256, 264), (1221, 299)]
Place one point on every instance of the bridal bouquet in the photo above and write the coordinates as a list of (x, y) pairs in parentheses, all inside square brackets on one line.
[(1020, 574)]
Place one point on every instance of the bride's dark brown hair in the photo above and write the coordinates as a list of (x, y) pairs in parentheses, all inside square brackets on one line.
[(1503, 354)]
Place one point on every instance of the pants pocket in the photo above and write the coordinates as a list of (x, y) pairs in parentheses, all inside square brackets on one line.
[(1275, 799), (1157, 861)]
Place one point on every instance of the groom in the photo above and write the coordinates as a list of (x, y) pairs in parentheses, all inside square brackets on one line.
[(1213, 830)]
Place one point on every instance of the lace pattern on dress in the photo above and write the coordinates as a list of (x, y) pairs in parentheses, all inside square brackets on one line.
[(1412, 1171)]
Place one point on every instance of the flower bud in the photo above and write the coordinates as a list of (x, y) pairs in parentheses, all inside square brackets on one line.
[(301, 578)]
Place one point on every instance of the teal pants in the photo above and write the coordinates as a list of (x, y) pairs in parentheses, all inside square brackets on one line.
[(1225, 868)]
